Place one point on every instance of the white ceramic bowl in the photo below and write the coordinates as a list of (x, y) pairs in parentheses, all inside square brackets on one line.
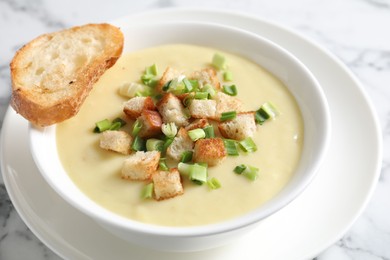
[(282, 64)]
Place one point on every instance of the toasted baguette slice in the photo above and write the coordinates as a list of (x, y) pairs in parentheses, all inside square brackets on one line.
[(54, 73)]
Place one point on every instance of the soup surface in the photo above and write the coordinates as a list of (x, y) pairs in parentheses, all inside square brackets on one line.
[(97, 172)]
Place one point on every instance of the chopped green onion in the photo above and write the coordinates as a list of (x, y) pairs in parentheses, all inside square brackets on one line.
[(194, 83), (259, 117), (154, 144), (230, 146), (228, 115), (167, 143), (102, 126), (169, 129), (268, 110), (147, 78), (227, 76), (230, 90), (196, 134), (251, 172), (209, 89), (184, 168), (136, 127), (201, 95), (219, 61), (198, 173), (209, 131), (186, 156), (213, 183), (163, 164), (248, 171), (147, 191), (188, 99), (129, 89), (151, 70), (138, 144), (248, 145), (239, 168), (187, 84)]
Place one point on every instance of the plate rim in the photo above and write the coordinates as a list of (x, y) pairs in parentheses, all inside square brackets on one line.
[(241, 15)]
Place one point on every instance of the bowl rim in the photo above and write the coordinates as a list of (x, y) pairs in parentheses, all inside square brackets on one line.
[(238, 222)]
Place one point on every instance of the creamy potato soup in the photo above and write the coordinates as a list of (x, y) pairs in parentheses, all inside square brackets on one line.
[(97, 172)]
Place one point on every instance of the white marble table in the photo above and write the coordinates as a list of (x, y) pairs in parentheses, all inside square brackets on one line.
[(357, 31)]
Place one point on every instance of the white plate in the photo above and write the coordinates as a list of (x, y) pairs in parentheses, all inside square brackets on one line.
[(311, 223)]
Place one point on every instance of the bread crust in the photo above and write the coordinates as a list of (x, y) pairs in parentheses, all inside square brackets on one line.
[(37, 104)]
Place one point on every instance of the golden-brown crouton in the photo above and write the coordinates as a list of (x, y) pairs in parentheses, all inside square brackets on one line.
[(134, 106), (226, 103), (239, 128), (210, 150), (151, 123), (197, 123), (168, 75), (203, 108), (207, 76), (181, 143), (140, 165), (172, 110), (167, 184), (117, 141)]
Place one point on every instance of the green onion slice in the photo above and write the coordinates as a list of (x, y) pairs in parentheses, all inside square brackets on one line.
[(239, 168), (230, 90), (187, 85), (163, 164), (138, 144), (213, 183), (196, 134), (137, 126), (167, 143), (184, 168), (231, 147), (147, 191), (201, 95), (219, 61), (166, 86), (151, 70), (186, 156), (227, 76), (251, 172), (247, 145), (154, 144), (198, 173), (209, 89), (102, 126), (228, 115), (169, 129), (209, 131)]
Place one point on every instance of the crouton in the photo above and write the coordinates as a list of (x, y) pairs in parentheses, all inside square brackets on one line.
[(197, 123), (151, 123), (140, 165), (207, 76), (181, 143), (203, 108), (172, 110), (167, 184), (134, 106), (239, 128), (226, 103), (168, 75), (210, 150), (117, 141)]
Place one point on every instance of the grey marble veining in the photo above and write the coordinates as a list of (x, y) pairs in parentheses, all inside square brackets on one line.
[(356, 31)]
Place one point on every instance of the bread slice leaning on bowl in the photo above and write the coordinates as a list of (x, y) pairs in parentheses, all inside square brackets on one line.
[(54, 73)]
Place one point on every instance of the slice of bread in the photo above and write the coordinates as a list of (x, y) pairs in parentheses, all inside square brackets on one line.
[(54, 73)]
